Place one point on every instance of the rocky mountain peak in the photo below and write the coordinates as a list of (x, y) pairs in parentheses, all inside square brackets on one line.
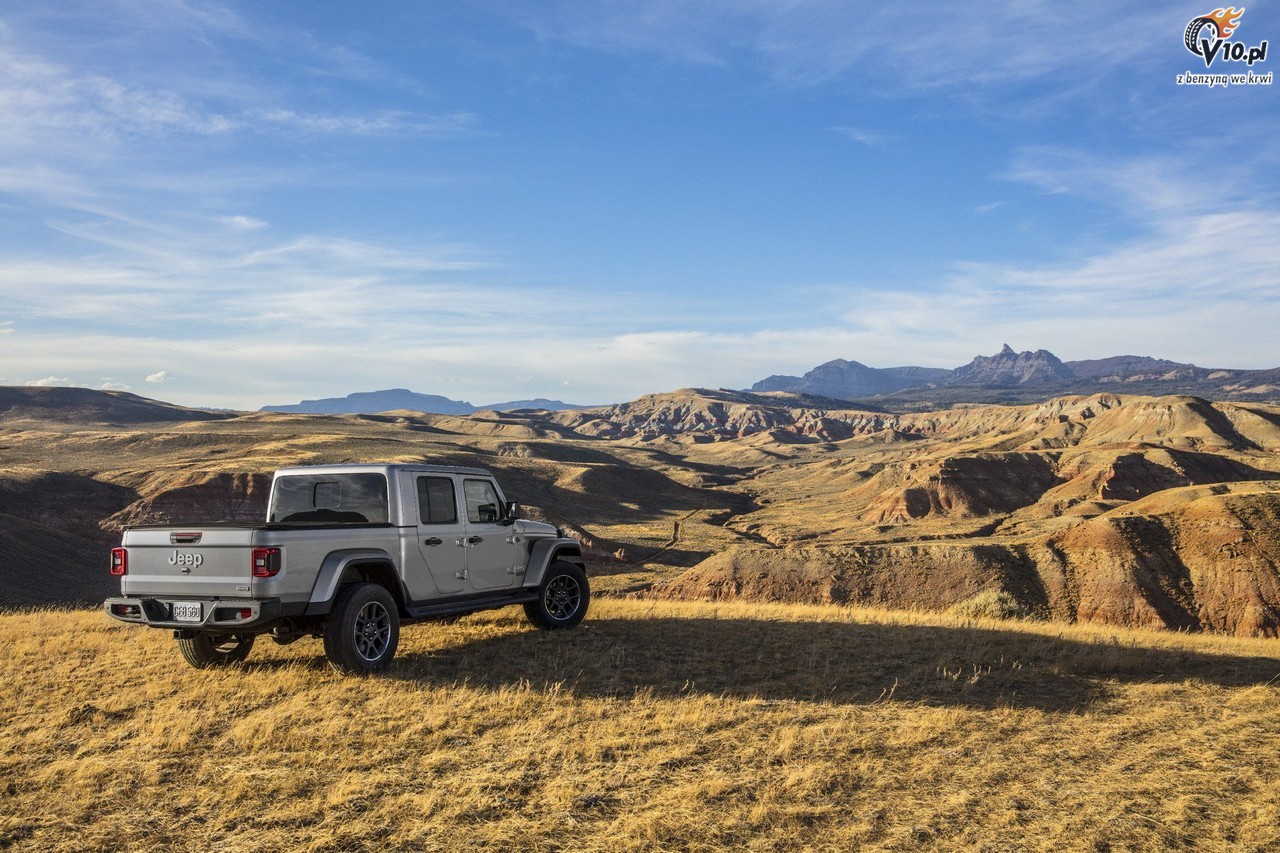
[(1008, 368)]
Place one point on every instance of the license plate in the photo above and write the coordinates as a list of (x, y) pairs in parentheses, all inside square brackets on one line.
[(186, 611)]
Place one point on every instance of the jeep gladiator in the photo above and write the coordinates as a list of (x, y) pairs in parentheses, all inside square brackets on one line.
[(348, 553)]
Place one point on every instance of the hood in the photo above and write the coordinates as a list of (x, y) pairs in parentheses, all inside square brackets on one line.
[(523, 525)]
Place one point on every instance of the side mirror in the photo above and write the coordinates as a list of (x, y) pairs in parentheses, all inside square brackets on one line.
[(510, 511)]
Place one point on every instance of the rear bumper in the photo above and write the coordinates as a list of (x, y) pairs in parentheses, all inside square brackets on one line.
[(219, 614)]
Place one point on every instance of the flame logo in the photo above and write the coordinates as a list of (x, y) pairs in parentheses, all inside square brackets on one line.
[(1223, 21), (1226, 20)]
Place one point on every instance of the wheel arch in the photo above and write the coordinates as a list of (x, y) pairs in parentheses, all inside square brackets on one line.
[(546, 551), (355, 566)]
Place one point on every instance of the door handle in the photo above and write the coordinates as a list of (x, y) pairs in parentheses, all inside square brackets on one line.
[(475, 540), (434, 540)]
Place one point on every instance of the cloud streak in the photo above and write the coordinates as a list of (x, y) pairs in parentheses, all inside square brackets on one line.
[(815, 41), (43, 103)]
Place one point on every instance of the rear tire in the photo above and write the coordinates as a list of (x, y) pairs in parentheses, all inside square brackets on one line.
[(563, 598), (206, 650), (362, 630)]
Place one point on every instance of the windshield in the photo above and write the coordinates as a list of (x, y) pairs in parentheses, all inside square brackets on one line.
[(329, 499)]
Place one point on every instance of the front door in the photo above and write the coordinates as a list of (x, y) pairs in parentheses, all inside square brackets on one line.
[(490, 549), (441, 540)]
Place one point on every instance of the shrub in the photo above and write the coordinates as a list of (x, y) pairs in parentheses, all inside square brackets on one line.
[(991, 604)]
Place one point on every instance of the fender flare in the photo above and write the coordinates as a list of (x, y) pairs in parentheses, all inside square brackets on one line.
[(546, 551), (329, 578)]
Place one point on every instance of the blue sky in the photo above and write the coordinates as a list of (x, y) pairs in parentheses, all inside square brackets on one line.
[(240, 204)]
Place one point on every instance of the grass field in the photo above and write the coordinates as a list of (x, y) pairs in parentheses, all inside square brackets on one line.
[(654, 726)]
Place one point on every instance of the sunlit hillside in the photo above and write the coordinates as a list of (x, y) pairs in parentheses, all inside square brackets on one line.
[(653, 726)]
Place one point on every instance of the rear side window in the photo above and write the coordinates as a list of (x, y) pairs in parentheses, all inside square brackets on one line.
[(329, 499), (437, 503), (482, 501)]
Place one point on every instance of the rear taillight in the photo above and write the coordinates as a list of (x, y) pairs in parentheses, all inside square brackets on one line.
[(266, 562), (119, 561)]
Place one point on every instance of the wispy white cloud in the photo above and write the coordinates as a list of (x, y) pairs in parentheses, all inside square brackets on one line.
[(51, 382), (177, 16), (383, 122), (44, 104), (109, 384), (894, 44), (1195, 259), (169, 29), (92, 153), (869, 138), (209, 300), (324, 59), (321, 253), (49, 184), (666, 27), (1152, 186), (242, 223), (96, 100)]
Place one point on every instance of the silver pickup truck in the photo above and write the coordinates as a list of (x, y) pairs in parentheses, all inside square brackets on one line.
[(348, 553)]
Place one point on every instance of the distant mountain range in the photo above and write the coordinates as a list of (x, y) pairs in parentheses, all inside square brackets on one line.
[(393, 399), (82, 405), (1008, 377), (1023, 377)]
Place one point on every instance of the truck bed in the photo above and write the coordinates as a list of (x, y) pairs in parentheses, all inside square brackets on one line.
[(214, 560)]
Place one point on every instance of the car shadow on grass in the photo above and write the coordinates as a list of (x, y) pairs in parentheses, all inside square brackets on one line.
[(840, 663)]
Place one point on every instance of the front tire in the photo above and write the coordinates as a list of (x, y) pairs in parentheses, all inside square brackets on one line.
[(205, 650), (563, 598), (362, 630)]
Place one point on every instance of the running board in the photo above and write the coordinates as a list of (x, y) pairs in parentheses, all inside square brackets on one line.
[(471, 605)]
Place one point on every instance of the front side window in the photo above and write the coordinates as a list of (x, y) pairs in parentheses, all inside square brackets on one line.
[(436, 501), (329, 499), (482, 501)]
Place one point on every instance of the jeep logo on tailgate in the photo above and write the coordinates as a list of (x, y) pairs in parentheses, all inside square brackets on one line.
[(181, 559)]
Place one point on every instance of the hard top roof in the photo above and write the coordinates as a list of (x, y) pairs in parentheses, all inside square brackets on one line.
[(380, 468)]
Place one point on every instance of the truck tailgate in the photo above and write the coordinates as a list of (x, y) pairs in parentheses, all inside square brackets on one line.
[(189, 561)]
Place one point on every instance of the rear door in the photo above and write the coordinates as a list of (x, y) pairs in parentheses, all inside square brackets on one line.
[(490, 548), (441, 540)]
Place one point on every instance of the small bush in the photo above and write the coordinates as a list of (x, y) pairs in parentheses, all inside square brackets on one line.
[(991, 604)]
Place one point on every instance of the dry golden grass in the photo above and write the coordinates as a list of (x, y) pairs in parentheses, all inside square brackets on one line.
[(654, 726)]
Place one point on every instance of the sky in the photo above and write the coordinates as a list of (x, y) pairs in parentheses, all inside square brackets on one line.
[(244, 204)]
